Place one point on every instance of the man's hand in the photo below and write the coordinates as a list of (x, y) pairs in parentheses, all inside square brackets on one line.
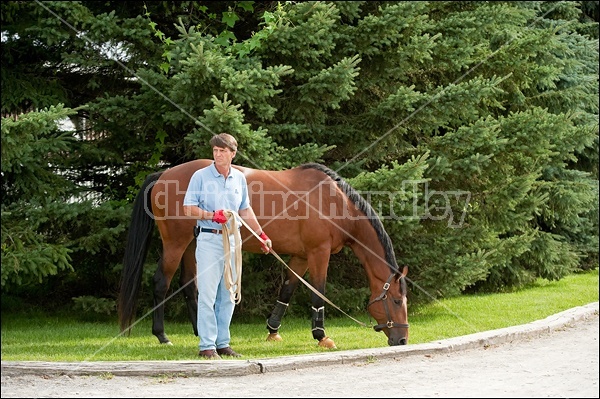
[(219, 217), (267, 243)]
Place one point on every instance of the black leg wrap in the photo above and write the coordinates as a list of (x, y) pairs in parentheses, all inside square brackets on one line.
[(274, 320), (318, 323)]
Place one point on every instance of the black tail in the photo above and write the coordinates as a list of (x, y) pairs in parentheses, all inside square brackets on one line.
[(138, 239)]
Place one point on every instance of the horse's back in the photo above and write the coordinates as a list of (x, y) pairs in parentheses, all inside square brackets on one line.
[(294, 206)]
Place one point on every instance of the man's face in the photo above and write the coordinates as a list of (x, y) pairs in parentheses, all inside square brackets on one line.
[(223, 155)]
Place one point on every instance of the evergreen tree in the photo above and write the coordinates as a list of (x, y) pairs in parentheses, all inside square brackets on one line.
[(472, 127)]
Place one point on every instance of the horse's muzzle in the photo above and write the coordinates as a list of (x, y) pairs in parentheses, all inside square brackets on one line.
[(395, 341)]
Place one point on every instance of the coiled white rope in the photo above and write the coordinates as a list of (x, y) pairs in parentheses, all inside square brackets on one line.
[(230, 227)]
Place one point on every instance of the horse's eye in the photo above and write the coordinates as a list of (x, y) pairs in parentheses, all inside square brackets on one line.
[(398, 301)]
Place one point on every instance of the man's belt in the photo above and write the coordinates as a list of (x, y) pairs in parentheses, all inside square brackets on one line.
[(214, 231)]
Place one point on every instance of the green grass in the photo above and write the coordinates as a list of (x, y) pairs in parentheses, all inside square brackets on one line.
[(54, 338)]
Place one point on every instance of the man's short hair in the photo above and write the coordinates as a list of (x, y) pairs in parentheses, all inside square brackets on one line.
[(223, 140)]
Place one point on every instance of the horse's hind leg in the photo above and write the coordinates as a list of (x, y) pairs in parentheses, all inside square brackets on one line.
[(299, 265), (161, 285), (163, 276), (190, 287)]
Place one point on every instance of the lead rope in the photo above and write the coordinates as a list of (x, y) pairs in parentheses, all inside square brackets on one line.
[(306, 283), (234, 287)]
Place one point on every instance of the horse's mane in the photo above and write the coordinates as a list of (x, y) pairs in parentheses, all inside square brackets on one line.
[(363, 206)]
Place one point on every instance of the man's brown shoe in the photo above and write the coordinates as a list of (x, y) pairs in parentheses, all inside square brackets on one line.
[(209, 354), (228, 352)]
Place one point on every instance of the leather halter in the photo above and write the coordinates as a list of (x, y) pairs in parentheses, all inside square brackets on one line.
[(384, 297)]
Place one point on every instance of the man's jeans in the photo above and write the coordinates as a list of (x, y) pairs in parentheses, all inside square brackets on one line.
[(215, 307)]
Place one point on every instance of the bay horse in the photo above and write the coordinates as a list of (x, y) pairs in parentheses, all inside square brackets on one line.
[(309, 212)]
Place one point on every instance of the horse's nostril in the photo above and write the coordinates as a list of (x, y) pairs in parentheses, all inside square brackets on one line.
[(399, 341)]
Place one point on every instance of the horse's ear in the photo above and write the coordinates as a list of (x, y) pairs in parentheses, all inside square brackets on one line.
[(403, 274)]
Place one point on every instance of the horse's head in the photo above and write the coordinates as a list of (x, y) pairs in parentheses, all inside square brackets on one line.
[(389, 308)]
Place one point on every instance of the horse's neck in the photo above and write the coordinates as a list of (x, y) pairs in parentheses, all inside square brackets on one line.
[(368, 248)]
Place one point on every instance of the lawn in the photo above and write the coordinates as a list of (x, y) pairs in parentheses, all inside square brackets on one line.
[(38, 337)]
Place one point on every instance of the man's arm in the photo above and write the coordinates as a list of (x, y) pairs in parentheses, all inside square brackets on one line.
[(250, 218), (195, 212)]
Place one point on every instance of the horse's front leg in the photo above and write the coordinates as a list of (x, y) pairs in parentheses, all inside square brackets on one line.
[(290, 284), (318, 262)]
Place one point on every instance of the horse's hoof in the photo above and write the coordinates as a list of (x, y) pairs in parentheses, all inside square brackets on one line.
[(327, 343), (274, 337), (167, 343)]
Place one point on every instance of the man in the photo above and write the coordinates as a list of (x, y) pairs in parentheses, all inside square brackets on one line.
[(213, 190)]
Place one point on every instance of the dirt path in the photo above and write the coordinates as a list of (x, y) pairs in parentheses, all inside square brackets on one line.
[(561, 363)]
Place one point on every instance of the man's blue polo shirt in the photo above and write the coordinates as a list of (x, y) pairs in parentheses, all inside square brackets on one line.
[(209, 190)]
